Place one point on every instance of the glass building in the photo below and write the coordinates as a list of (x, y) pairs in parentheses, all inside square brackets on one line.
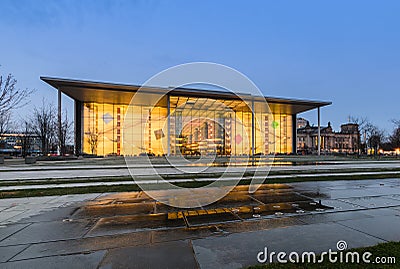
[(184, 121)]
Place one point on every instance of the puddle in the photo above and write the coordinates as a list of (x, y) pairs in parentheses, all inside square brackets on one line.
[(135, 214)]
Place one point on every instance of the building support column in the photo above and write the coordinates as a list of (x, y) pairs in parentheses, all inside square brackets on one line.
[(78, 127), (319, 131), (294, 135), (168, 126), (59, 124)]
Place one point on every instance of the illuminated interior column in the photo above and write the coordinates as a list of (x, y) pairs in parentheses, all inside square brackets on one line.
[(168, 126), (252, 129)]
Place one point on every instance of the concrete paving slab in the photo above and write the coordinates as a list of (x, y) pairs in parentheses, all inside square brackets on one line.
[(338, 205), (336, 194), (26, 200), (75, 198), (130, 225), (372, 202), (52, 214), (84, 261), (382, 212), (48, 231), (14, 208), (7, 230), (332, 217), (4, 216), (240, 249), (25, 215), (3, 208), (23, 207), (83, 245), (8, 252), (385, 227), (178, 254), (387, 190)]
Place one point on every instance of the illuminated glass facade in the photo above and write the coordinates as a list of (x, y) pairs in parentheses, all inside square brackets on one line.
[(184, 121), (195, 126)]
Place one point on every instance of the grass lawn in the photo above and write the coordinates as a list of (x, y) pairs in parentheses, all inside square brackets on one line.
[(390, 249)]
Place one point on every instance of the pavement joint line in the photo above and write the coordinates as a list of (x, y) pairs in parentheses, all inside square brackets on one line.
[(56, 255), (354, 204), (91, 229), (41, 242), (19, 252), (338, 222), (20, 213), (99, 265), (236, 215), (94, 224), (74, 253), (358, 209), (151, 238), (186, 220), (16, 232), (255, 199), (194, 254), (303, 195)]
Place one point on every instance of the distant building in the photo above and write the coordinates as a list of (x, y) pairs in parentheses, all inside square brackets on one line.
[(16, 144), (301, 123), (345, 141)]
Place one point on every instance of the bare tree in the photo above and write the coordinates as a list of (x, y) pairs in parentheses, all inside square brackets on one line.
[(373, 136), (362, 122), (394, 139), (4, 122), (43, 124), (25, 137), (396, 123), (11, 98), (376, 138), (93, 140), (65, 136)]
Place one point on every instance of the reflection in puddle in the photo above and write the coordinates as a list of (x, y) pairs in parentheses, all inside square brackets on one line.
[(138, 212)]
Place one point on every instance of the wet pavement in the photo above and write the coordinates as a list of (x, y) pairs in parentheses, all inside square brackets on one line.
[(131, 230)]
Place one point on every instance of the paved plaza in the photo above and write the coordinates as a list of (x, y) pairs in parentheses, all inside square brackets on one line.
[(130, 230)]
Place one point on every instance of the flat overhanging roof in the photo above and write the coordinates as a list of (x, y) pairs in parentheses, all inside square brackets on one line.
[(102, 92)]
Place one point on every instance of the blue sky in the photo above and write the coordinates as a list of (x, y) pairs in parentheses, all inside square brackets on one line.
[(346, 52)]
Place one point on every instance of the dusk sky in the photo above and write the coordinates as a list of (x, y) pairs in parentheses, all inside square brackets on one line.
[(347, 52)]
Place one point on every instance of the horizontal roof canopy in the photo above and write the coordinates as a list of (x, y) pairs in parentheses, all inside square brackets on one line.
[(100, 92)]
